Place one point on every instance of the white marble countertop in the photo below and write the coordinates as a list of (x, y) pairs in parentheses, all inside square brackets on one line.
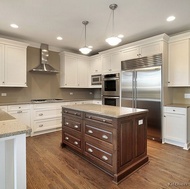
[(10, 126), (179, 105), (110, 111)]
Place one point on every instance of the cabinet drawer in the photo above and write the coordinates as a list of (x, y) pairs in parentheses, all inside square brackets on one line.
[(175, 110), (69, 139), (72, 112), (98, 118), (18, 107), (46, 124), (99, 153), (98, 133), (76, 125), (41, 114)]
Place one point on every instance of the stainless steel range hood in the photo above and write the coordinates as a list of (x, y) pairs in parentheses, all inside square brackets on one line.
[(44, 66)]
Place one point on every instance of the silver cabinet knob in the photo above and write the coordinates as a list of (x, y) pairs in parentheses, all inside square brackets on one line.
[(41, 114), (76, 143), (90, 150), (66, 138), (90, 131), (76, 126), (104, 136), (20, 111), (41, 125), (66, 123), (104, 158)]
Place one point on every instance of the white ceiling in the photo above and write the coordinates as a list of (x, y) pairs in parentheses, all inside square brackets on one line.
[(41, 21)]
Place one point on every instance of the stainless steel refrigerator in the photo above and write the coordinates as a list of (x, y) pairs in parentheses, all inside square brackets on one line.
[(141, 88)]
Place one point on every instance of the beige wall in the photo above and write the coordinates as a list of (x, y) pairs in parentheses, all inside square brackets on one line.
[(178, 95), (42, 85)]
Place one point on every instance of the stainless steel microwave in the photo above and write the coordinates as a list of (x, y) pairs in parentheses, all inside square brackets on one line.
[(96, 79)]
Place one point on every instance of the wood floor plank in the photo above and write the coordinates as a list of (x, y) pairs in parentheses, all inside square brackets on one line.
[(51, 167)]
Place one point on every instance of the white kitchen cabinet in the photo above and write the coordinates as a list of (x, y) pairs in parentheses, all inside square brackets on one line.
[(176, 125), (142, 50), (21, 112), (74, 70), (95, 65), (111, 62), (12, 63), (46, 117), (179, 63)]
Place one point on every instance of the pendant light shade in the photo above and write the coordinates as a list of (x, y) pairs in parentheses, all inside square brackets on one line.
[(113, 40), (85, 49)]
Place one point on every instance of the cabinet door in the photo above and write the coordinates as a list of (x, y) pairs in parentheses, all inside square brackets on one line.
[(175, 127), (70, 71), (179, 69), (130, 53), (2, 64), (116, 62), (95, 65), (15, 66), (83, 73), (106, 64), (150, 49)]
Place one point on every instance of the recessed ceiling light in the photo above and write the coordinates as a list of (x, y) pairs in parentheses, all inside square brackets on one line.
[(59, 38), (14, 25), (120, 36), (170, 18)]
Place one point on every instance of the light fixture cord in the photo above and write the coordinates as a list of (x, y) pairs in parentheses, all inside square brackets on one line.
[(113, 23), (85, 35)]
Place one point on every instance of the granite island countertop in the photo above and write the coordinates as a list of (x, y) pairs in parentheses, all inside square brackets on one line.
[(9, 126), (110, 111)]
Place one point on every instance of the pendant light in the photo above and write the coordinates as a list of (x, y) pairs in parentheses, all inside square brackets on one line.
[(85, 49), (113, 40)]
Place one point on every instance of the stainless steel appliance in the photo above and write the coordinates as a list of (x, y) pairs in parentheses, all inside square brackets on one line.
[(96, 79), (111, 89), (141, 88)]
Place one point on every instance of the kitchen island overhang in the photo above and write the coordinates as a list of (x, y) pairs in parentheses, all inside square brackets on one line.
[(113, 139)]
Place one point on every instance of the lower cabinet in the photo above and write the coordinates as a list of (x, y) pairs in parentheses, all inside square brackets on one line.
[(117, 146), (176, 126)]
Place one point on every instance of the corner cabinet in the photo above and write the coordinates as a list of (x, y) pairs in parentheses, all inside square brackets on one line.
[(176, 126), (12, 57), (74, 70), (179, 61)]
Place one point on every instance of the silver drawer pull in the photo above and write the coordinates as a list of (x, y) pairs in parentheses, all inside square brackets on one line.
[(90, 150), (66, 138), (41, 125), (104, 120), (104, 136), (66, 123), (65, 111), (90, 131), (90, 117), (104, 158), (76, 143), (41, 114), (20, 111), (76, 126)]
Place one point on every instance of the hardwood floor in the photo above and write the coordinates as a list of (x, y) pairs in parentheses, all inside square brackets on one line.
[(51, 167)]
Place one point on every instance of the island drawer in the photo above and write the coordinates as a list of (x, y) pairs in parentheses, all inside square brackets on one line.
[(99, 133), (73, 124), (72, 140), (72, 112), (98, 118), (98, 153)]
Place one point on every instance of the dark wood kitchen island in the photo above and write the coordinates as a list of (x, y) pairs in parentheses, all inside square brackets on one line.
[(112, 138)]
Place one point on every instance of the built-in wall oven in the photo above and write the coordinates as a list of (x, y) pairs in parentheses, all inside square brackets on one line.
[(111, 89)]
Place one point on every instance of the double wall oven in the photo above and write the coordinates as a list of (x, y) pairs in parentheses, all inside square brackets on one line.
[(111, 89)]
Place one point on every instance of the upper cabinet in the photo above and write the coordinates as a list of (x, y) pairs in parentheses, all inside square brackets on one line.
[(179, 61), (142, 50), (111, 62), (74, 70), (95, 65), (12, 63)]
